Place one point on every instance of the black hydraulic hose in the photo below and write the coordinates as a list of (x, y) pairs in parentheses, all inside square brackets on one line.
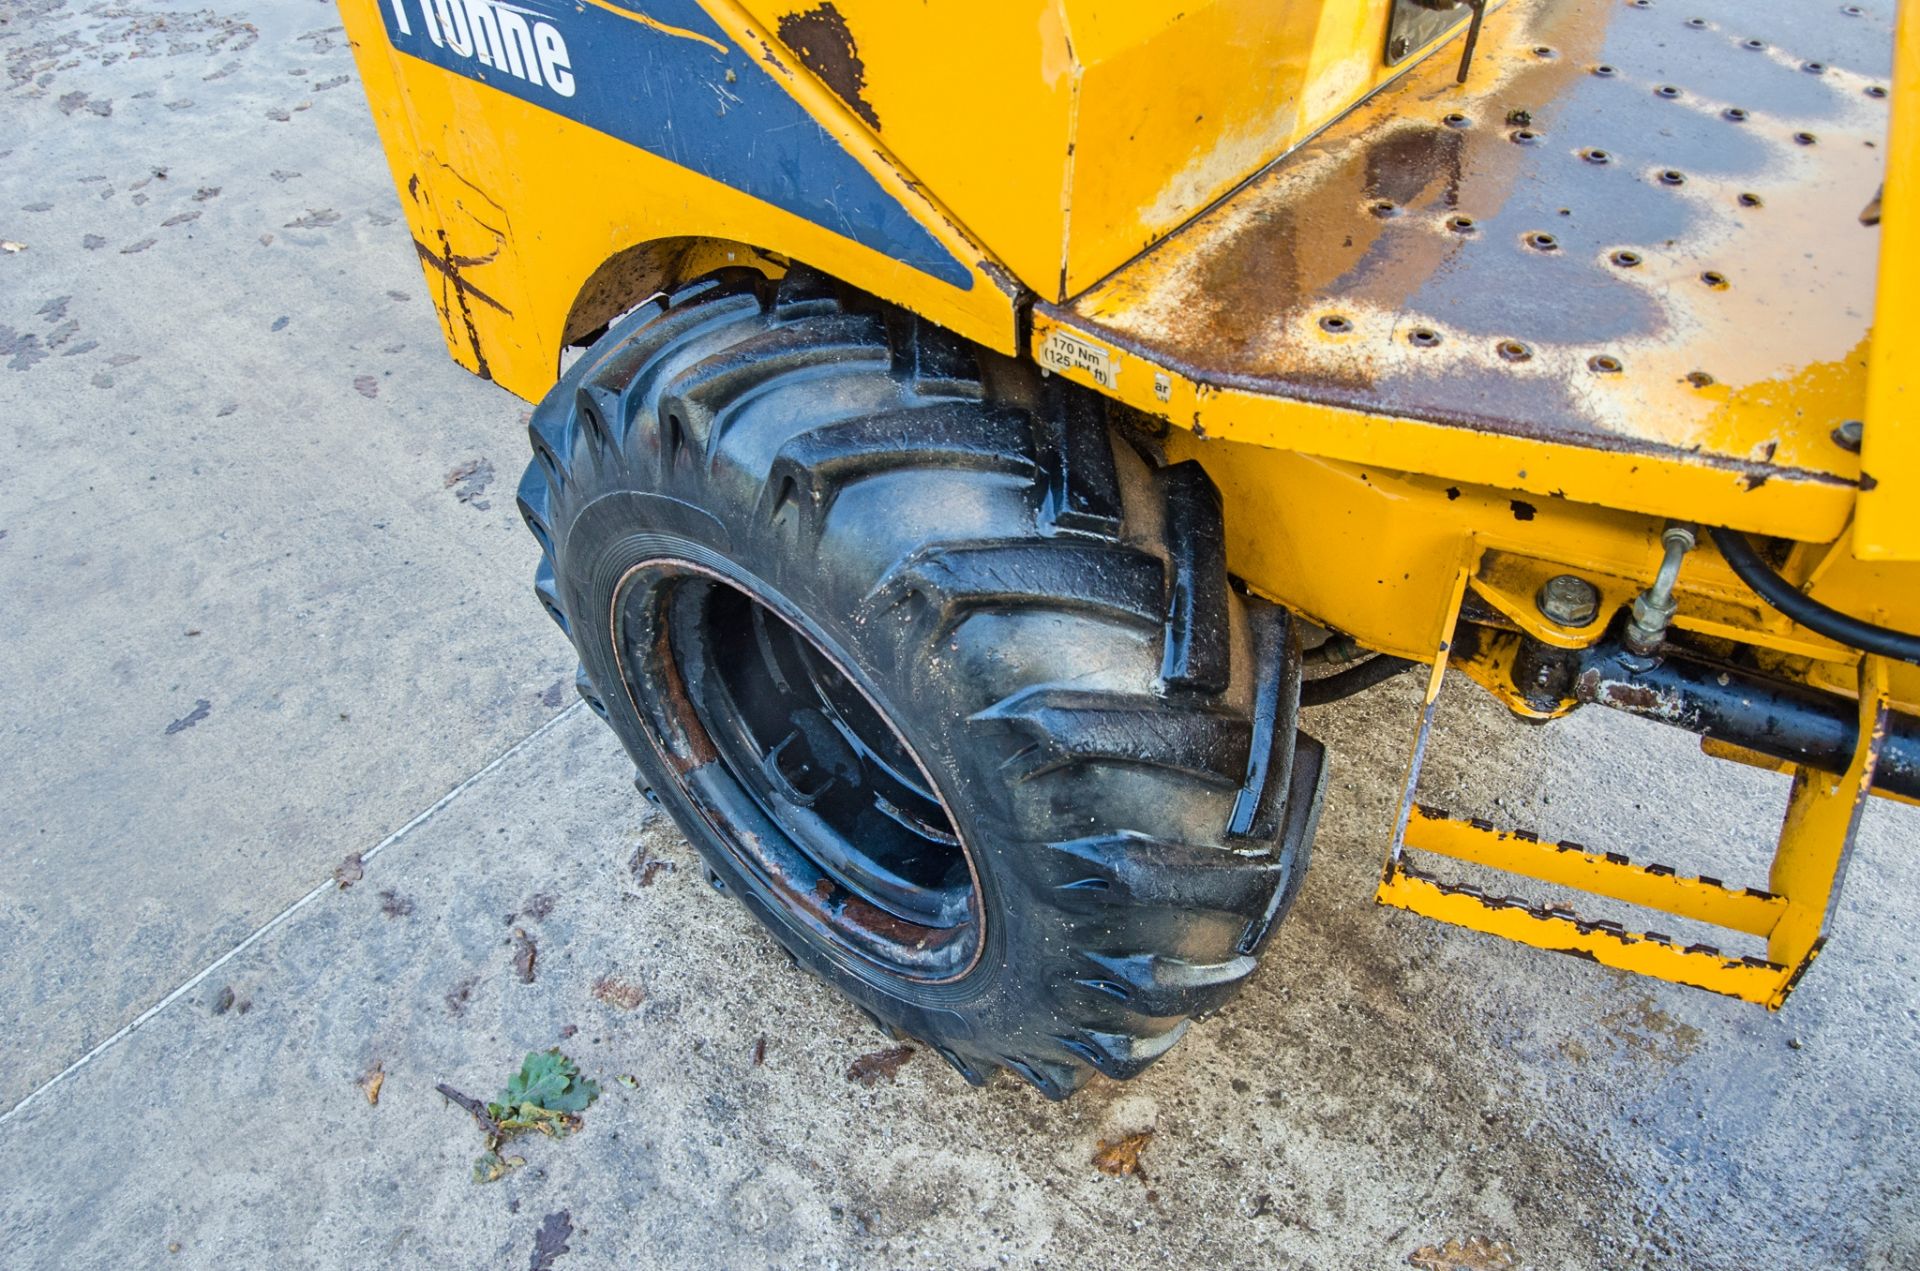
[(1331, 688), (1807, 611)]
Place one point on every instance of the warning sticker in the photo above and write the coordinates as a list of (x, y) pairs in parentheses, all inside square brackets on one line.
[(1062, 351)]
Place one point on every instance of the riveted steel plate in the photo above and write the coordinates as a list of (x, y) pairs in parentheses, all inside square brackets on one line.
[(1636, 228)]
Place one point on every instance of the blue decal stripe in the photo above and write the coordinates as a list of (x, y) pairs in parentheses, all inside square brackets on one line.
[(668, 82)]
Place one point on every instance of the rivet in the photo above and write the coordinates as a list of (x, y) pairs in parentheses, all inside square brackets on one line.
[(1852, 10), (1697, 24), (1513, 351), (1454, 119), (1750, 200), (1605, 71), (1847, 436), (1699, 379), (1805, 138), (1596, 156), (1568, 601), (1605, 363), (1673, 177), (1736, 114), (1422, 337), (1543, 51), (1643, 4), (1540, 240), (1525, 137), (1714, 278), (1754, 44), (1384, 208), (1335, 324), (1667, 91), (1460, 224), (1626, 259), (1875, 90), (1815, 68)]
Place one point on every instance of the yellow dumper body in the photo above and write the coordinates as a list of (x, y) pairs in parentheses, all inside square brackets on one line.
[(1443, 325)]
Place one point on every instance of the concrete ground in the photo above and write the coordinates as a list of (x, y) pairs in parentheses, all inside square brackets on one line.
[(264, 603)]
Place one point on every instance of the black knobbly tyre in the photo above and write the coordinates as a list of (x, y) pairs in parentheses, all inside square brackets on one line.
[(944, 678)]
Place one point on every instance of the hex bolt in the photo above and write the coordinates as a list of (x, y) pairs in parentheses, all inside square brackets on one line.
[(1653, 608), (1568, 601)]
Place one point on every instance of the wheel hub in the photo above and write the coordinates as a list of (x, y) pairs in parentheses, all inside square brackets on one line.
[(817, 794)]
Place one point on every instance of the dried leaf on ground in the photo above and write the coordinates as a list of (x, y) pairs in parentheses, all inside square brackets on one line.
[(615, 991), (370, 1083), (550, 1241), (349, 871), (1121, 1156), (524, 953), (870, 1069), (1475, 1253), (491, 1167), (470, 480)]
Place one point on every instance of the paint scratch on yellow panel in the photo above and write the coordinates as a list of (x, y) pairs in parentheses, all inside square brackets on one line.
[(656, 24)]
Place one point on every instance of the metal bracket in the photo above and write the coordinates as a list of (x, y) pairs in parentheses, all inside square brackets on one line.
[(1809, 866), (1418, 23)]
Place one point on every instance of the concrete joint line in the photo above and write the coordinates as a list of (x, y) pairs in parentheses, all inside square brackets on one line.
[(325, 886)]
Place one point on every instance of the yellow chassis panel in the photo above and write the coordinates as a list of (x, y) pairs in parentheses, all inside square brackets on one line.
[(1889, 523), (515, 209)]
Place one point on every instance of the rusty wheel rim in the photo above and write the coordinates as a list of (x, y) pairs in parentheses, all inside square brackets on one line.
[(825, 808)]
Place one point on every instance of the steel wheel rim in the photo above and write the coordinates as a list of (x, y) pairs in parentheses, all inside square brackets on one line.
[(820, 801)]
